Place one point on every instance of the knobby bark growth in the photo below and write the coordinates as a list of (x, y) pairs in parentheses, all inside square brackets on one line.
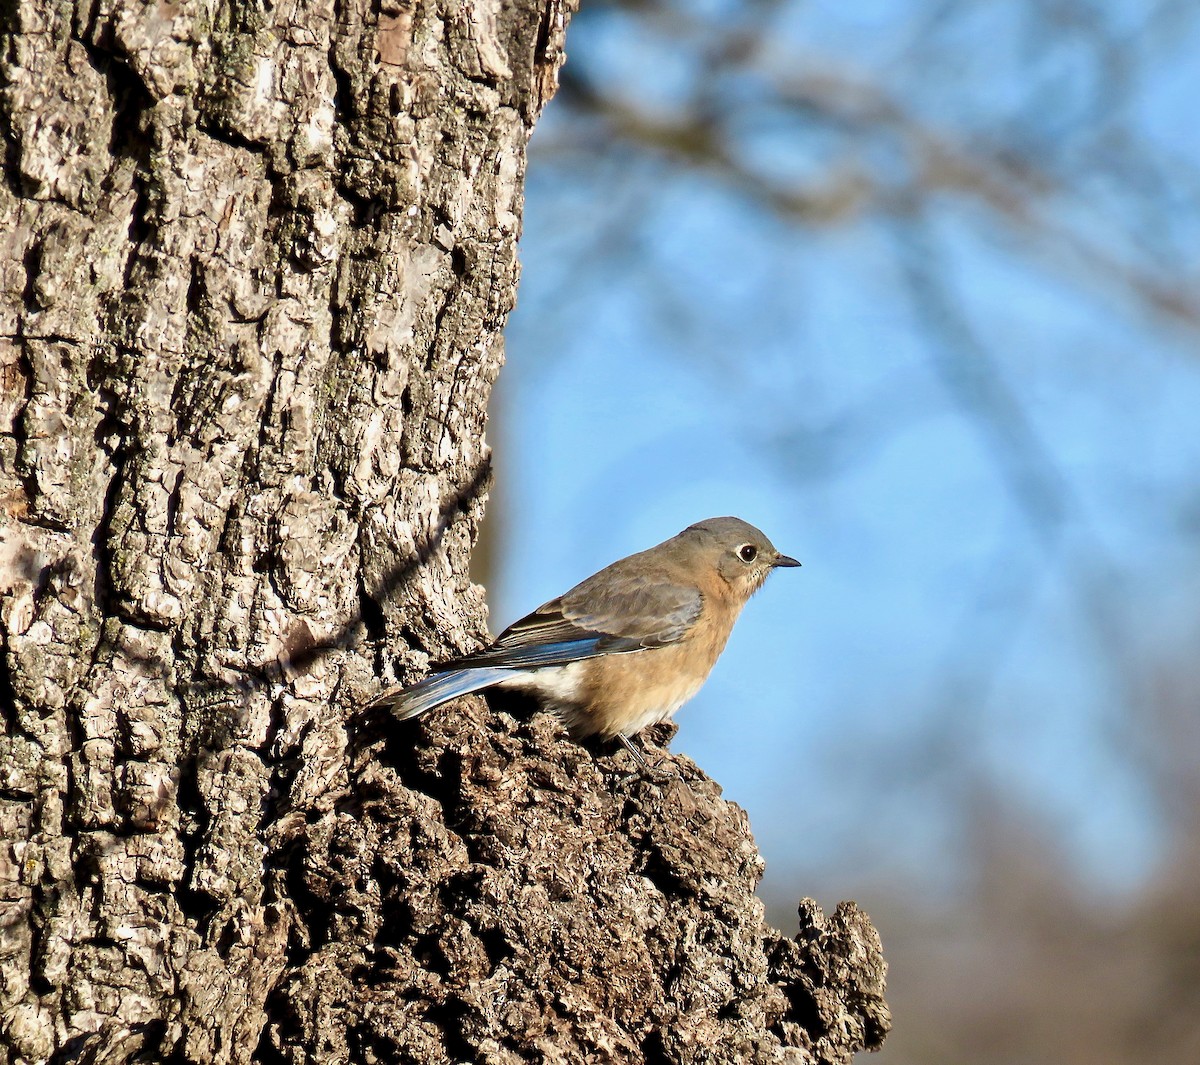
[(256, 260)]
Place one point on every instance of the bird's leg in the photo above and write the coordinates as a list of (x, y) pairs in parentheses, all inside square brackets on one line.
[(637, 755), (652, 771)]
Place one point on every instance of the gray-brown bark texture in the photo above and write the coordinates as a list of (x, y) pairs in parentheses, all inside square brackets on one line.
[(256, 260)]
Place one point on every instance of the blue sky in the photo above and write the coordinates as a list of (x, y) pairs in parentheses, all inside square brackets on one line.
[(680, 352)]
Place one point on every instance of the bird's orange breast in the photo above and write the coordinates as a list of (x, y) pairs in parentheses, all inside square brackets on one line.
[(622, 694)]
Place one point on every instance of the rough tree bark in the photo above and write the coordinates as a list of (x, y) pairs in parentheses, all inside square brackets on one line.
[(256, 260)]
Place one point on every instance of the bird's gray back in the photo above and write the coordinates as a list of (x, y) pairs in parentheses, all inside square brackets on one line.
[(636, 599)]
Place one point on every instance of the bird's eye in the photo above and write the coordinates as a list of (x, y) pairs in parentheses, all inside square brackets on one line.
[(747, 552)]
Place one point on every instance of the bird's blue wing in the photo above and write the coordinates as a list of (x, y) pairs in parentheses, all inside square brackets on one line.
[(612, 612), (542, 640)]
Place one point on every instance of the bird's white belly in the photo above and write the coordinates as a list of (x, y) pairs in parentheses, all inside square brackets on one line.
[(555, 686), (652, 715), (571, 692)]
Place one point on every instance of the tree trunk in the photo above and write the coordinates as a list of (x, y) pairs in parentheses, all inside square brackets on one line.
[(256, 262)]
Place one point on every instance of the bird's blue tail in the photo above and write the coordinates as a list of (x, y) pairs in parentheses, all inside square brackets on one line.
[(438, 689)]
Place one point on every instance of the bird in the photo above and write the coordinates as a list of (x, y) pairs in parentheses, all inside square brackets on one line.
[(623, 649)]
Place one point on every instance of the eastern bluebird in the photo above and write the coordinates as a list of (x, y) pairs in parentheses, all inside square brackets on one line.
[(627, 647)]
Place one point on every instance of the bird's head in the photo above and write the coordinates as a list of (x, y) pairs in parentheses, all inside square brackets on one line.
[(741, 554)]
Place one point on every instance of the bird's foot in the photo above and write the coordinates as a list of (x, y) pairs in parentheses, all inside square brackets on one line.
[(655, 773)]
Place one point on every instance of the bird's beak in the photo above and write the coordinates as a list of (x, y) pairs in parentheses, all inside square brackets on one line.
[(784, 561)]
